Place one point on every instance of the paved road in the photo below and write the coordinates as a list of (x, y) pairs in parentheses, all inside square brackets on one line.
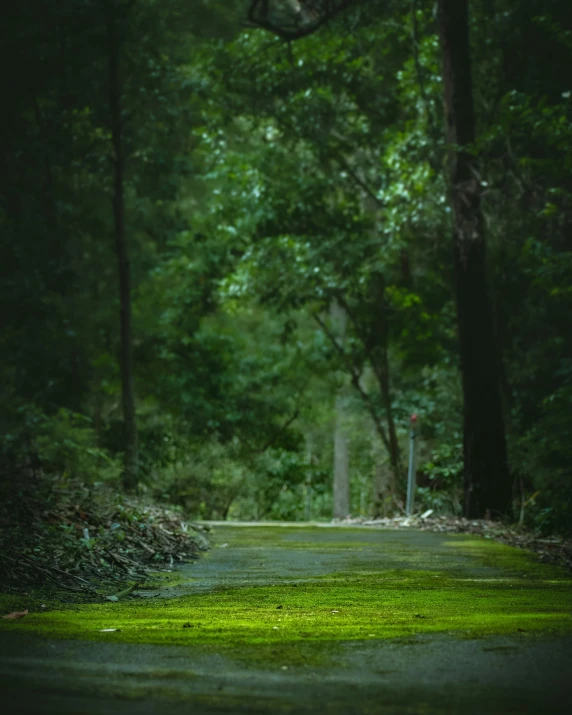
[(430, 673)]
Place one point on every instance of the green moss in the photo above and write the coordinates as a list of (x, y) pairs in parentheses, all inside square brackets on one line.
[(341, 607), (499, 590), (39, 600), (500, 556)]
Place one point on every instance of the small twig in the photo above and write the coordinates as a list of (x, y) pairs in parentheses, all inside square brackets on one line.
[(65, 573)]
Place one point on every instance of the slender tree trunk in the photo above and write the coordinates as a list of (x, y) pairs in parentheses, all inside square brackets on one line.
[(341, 485), (383, 485), (487, 479), (122, 255), (394, 452), (380, 366), (379, 346), (341, 463)]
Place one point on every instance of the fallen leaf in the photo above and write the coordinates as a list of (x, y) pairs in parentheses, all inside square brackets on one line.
[(15, 614), (335, 611), (109, 630)]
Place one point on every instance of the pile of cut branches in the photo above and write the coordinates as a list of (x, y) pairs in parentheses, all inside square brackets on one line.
[(80, 538)]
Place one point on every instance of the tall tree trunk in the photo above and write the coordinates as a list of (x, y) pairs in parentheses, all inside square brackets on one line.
[(384, 383), (379, 359), (122, 255), (487, 479), (341, 463), (341, 485)]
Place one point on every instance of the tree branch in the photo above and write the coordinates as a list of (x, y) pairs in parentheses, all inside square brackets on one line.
[(281, 430), (360, 182), (306, 17), (355, 376)]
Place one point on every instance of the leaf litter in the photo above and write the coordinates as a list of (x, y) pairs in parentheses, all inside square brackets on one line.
[(83, 538)]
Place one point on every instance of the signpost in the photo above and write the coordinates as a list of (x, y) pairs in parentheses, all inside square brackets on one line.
[(411, 471)]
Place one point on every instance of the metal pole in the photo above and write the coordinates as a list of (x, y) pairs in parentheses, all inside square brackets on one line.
[(411, 471), (308, 506)]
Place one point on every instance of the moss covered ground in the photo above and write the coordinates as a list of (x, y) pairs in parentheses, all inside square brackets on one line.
[(271, 593), (302, 619)]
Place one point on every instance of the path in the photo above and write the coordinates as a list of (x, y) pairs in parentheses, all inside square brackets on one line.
[(297, 619)]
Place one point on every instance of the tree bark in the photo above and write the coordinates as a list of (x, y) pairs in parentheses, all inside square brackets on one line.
[(383, 487), (487, 479), (379, 359), (341, 483), (341, 490), (122, 256)]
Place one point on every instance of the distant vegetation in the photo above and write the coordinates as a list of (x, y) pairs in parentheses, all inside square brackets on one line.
[(228, 258)]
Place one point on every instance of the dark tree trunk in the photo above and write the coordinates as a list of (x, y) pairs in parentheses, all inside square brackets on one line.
[(121, 252), (487, 479)]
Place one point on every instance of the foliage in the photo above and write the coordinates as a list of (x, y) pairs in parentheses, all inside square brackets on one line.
[(263, 181)]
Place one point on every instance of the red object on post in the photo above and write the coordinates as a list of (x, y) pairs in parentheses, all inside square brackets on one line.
[(413, 418)]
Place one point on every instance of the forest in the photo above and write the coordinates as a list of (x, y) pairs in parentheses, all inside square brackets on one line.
[(243, 242), (286, 375)]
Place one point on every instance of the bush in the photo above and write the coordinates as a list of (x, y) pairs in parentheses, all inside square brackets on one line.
[(62, 443)]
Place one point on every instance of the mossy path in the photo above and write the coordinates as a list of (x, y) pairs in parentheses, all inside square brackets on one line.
[(319, 619)]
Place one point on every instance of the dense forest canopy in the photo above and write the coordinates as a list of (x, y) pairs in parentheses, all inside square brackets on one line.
[(242, 242)]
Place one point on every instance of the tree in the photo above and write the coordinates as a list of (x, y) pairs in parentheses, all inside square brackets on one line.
[(242, 187), (115, 38), (487, 479)]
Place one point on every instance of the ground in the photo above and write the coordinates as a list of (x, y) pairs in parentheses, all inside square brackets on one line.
[(293, 619)]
